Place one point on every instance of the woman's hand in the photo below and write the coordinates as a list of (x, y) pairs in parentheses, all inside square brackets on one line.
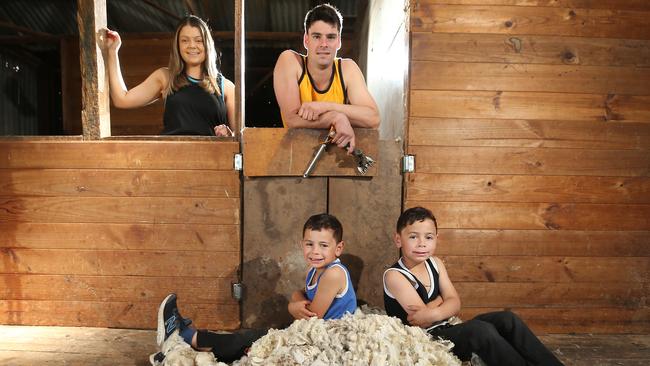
[(222, 130), (112, 41)]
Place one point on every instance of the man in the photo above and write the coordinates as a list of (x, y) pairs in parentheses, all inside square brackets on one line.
[(319, 90)]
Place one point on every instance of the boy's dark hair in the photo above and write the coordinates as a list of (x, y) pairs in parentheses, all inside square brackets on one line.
[(325, 221), (326, 13), (414, 214)]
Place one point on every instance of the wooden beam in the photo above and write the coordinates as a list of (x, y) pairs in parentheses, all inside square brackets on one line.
[(31, 32), (240, 63), (193, 8), (95, 112)]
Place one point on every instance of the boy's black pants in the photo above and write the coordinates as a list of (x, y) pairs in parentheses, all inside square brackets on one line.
[(228, 347), (500, 339)]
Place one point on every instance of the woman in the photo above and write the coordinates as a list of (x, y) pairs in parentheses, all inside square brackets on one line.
[(198, 99)]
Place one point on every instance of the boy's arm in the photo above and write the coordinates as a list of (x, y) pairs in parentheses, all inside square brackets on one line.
[(449, 307), (331, 283), (298, 306)]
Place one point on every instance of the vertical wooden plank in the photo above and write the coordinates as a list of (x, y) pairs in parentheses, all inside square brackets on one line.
[(240, 65), (95, 113), (275, 209)]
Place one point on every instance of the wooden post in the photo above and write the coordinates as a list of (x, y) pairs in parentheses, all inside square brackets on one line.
[(240, 62), (95, 111)]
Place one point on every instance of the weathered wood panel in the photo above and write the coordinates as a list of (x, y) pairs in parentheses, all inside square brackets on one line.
[(118, 183), (505, 160), (608, 320), (85, 235), (572, 243), (121, 210), (554, 216), (528, 188), (607, 23), (530, 133), (589, 4), (138, 155), (288, 152), (529, 49), (427, 75), (569, 294), (112, 314), (548, 270), (116, 226), (530, 105), (115, 288)]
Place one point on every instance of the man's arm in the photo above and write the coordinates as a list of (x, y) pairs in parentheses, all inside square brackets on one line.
[(362, 110)]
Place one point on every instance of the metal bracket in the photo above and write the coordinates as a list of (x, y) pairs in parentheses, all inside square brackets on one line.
[(408, 164), (238, 162), (237, 291)]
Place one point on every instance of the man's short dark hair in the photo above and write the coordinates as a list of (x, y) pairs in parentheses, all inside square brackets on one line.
[(414, 214), (326, 13), (325, 221)]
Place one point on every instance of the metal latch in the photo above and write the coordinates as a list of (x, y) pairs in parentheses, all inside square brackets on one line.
[(237, 291), (238, 162), (408, 164)]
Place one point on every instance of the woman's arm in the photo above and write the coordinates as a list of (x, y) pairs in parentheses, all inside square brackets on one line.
[(145, 93)]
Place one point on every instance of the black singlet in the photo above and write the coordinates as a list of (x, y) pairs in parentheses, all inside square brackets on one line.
[(193, 111)]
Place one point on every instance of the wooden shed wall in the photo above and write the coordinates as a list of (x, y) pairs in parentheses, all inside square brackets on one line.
[(530, 125), (97, 233)]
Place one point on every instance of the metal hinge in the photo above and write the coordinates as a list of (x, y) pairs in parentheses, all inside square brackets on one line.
[(408, 164), (238, 162), (237, 291)]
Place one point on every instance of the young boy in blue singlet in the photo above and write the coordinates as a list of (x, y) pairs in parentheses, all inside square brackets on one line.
[(328, 292), (417, 289)]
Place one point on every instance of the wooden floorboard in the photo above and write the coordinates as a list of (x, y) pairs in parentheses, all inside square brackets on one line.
[(53, 346)]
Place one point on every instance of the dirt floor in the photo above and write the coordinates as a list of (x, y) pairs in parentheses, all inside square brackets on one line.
[(26, 345)]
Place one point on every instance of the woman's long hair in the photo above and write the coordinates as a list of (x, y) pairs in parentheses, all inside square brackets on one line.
[(177, 77)]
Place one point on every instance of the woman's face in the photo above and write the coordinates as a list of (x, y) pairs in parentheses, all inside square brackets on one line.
[(191, 46)]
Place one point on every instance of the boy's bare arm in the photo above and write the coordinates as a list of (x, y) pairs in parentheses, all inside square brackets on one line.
[(331, 283), (299, 306)]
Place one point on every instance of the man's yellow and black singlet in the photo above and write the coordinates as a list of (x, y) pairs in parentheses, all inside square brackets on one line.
[(335, 92)]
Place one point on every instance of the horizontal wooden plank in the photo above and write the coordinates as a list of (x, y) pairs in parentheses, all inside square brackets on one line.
[(609, 320), (543, 243), (288, 152), (529, 133), (119, 183), (538, 294), (588, 4), (531, 161), (529, 105), (159, 210), (428, 75), (427, 17), (594, 349), (164, 237), (136, 315), (529, 49), (119, 154), (527, 188), (75, 346), (547, 270), (573, 216), (215, 290), (118, 262)]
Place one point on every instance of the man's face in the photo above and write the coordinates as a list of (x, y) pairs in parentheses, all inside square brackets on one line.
[(322, 41)]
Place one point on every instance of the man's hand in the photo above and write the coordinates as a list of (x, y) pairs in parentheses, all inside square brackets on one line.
[(299, 310), (312, 110), (344, 132), (419, 315)]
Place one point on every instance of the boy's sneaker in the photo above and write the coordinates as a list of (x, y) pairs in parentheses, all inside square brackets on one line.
[(168, 319), (156, 359)]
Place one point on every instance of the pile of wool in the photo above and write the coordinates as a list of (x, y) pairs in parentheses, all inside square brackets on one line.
[(358, 339)]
